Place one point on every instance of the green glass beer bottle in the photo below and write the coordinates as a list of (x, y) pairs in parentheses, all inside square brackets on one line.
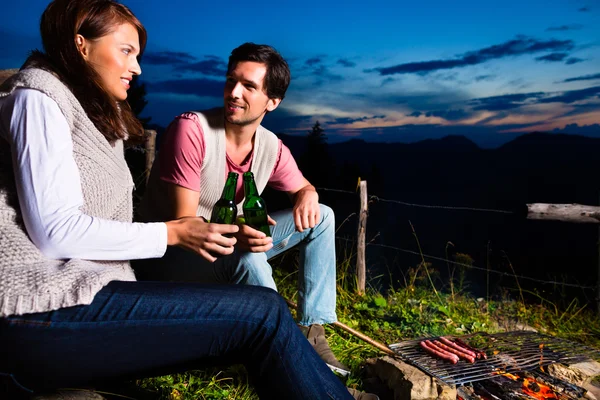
[(254, 207), (225, 210)]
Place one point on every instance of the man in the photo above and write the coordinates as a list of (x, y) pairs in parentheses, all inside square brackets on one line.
[(200, 148)]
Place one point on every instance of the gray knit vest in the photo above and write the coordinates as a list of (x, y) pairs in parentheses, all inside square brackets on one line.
[(29, 281), (212, 172)]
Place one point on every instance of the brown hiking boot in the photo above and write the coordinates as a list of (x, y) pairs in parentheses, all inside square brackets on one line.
[(362, 395), (316, 337)]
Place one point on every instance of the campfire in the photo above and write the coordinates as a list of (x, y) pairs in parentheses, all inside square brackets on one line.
[(521, 385)]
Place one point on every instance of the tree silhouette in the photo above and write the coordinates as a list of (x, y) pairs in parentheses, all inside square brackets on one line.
[(316, 163), (316, 136)]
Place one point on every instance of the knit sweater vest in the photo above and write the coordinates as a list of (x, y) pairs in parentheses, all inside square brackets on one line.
[(29, 281), (212, 172)]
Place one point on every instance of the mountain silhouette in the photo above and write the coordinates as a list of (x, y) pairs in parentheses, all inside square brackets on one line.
[(454, 172)]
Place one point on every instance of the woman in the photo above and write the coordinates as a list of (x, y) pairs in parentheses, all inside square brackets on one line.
[(71, 312)]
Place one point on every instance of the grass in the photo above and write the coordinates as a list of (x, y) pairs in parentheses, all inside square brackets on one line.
[(421, 305)]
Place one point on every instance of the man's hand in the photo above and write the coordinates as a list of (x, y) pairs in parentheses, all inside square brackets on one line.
[(197, 235), (252, 240), (306, 208)]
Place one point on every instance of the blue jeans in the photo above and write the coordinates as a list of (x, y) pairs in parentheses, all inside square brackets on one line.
[(137, 329), (317, 266)]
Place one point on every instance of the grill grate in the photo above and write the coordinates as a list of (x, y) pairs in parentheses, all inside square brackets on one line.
[(507, 352)]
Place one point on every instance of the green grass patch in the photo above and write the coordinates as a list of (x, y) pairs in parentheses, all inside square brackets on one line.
[(421, 305)]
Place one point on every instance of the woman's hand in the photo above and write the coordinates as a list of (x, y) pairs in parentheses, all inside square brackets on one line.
[(201, 237)]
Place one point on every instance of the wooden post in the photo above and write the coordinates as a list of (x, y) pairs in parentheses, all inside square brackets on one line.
[(150, 145), (564, 212), (362, 231)]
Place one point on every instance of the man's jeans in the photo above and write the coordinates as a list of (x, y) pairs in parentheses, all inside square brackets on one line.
[(317, 266), (136, 329)]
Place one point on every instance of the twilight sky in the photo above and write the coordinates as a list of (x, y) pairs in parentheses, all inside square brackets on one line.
[(378, 70)]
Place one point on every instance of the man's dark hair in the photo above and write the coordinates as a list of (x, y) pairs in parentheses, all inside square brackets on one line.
[(277, 78)]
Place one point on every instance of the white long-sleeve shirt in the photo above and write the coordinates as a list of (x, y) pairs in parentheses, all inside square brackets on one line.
[(49, 188)]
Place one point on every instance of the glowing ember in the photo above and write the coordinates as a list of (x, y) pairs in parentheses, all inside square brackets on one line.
[(533, 388)]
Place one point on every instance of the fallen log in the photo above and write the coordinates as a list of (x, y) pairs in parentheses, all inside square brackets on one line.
[(577, 213)]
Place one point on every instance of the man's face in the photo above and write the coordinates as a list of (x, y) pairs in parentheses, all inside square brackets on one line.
[(246, 100)]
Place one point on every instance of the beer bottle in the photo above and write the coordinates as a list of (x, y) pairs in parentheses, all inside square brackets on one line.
[(225, 210), (254, 207)]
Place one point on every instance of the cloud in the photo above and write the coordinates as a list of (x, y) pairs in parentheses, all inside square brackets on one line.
[(496, 117), (572, 96), (197, 86), (552, 57), (448, 115), (579, 109), (387, 81), (562, 28), (574, 60), (519, 46), (346, 63), (324, 72), (284, 119), (313, 61), (167, 58), (211, 66), (584, 9), (505, 102), (451, 76), (516, 100), (480, 78), (347, 121), (588, 130), (583, 78)]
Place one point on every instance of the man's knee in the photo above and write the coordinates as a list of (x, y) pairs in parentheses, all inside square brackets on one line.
[(253, 269), (327, 215)]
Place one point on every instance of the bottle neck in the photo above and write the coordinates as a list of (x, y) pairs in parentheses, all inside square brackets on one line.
[(250, 187), (230, 186)]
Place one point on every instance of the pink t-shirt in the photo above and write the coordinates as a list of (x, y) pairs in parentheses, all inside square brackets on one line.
[(182, 152)]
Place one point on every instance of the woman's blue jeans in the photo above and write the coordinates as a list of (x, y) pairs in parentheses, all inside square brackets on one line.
[(316, 275), (138, 329)]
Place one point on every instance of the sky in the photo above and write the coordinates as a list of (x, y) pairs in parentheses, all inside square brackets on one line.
[(383, 71)]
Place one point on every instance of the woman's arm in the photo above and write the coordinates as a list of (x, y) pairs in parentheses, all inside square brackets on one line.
[(49, 189)]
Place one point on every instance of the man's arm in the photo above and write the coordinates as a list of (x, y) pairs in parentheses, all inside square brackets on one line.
[(183, 202), (306, 205)]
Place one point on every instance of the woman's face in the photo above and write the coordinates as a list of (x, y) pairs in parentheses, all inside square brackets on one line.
[(114, 58)]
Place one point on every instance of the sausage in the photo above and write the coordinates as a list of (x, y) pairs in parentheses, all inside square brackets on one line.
[(434, 350), (440, 353), (452, 350), (436, 346), (450, 343), (480, 354)]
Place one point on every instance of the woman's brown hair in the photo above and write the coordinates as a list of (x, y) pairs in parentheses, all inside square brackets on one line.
[(61, 22)]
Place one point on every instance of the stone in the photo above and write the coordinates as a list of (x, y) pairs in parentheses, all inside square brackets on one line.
[(7, 73), (408, 382), (70, 395), (579, 374)]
